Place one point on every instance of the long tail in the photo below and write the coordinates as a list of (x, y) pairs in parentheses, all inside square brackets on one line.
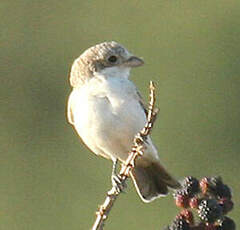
[(152, 180)]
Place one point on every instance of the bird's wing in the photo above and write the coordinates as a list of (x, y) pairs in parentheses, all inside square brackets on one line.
[(142, 102), (144, 105)]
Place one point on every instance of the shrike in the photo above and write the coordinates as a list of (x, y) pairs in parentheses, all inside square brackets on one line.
[(107, 111)]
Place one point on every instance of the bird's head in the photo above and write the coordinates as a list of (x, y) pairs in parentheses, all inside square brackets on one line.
[(108, 59)]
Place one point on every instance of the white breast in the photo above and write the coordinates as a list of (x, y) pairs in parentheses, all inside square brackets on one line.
[(107, 115)]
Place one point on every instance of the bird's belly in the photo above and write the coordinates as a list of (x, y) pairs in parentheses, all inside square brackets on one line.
[(108, 128)]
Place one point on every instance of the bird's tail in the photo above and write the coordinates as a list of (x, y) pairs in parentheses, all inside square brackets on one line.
[(152, 180)]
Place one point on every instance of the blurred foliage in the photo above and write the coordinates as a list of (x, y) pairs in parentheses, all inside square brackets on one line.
[(48, 179)]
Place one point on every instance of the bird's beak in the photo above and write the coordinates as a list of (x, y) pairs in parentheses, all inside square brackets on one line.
[(133, 61)]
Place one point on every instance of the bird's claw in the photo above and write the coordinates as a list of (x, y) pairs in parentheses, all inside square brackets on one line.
[(118, 184)]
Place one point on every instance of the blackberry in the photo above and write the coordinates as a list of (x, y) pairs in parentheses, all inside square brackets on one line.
[(199, 226), (191, 185), (224, 191), (187, 215), (209, 210), (181, 198), (210, 227), (194, 202), (226, 204), (180, 224), (221, 190), (227, 224), (214, 186), (204, 185), (182, 192)]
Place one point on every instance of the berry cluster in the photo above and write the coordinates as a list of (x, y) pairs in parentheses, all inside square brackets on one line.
[(212, 201)]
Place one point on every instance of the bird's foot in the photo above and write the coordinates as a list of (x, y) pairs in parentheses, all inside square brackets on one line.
[(118, 184)]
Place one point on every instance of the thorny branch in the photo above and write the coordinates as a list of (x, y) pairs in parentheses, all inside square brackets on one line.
[(136, 151)]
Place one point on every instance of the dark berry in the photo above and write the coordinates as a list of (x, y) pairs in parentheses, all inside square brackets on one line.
[(209, 210), (199, 226), (215, 187), (182, 192), (210, 227), (221, 190), (187, 215), (227, 224), (191, 185), (180, 224), (224, 191), (226, 204)]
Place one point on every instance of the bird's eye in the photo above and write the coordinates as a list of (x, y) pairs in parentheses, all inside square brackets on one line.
[(112, 59)]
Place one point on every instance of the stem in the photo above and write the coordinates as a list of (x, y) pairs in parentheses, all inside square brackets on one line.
[(136, 151)]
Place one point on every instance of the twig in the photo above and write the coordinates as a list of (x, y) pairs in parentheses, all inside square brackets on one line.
[(136, 151)]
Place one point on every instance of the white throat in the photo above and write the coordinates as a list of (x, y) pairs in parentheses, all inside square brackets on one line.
[(115, 71)]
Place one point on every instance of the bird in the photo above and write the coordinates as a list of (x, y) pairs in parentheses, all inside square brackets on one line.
[(107, 111)]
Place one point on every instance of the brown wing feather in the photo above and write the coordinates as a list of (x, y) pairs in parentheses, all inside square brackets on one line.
[(142, 103)]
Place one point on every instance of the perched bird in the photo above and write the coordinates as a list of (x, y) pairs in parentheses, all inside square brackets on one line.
[(107, 111)]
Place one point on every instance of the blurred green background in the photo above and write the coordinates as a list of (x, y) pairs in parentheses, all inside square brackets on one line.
[(48, 179)]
